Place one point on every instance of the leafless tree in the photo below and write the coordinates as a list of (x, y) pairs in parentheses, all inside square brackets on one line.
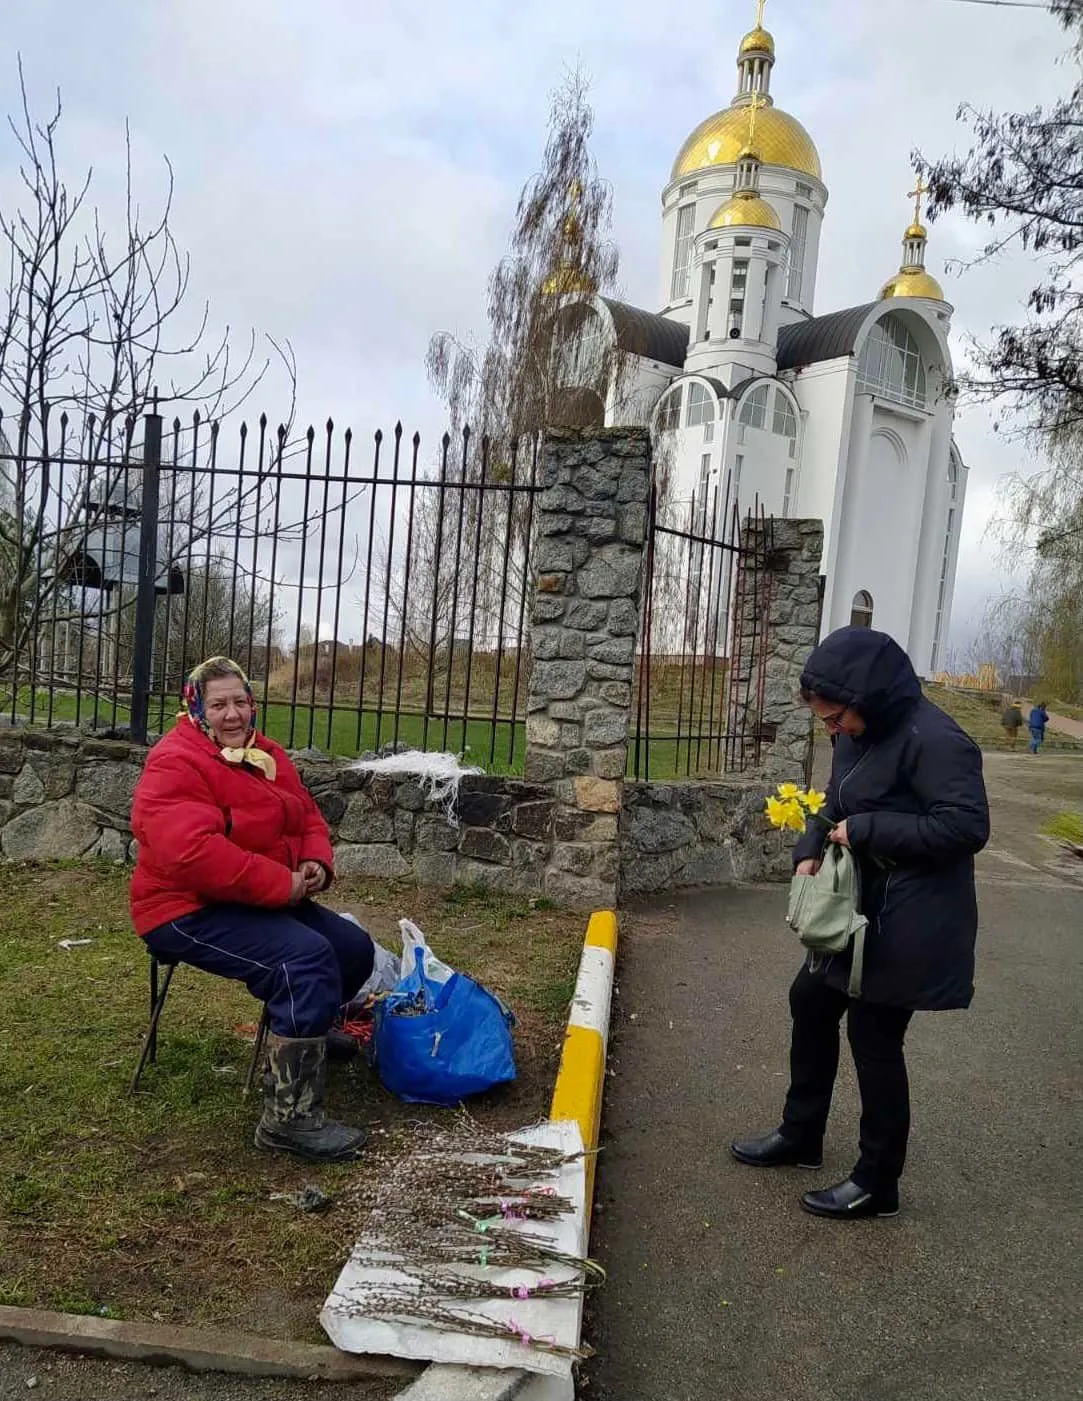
[(90, 332)]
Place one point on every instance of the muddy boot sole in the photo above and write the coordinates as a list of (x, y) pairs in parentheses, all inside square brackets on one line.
[(343, 1146)]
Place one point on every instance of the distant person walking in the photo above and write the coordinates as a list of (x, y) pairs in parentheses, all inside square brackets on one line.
[(1012, 720), (1039, 718)]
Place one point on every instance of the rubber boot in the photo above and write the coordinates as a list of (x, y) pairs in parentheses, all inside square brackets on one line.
[(293, 1119)]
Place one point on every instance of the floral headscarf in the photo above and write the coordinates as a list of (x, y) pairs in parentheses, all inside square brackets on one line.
[(194, 710)]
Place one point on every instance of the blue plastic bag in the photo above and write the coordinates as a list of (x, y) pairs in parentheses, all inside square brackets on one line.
[(440, 1037)]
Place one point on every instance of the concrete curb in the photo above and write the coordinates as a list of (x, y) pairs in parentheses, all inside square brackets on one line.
[(577, 1095), (161, 1344)]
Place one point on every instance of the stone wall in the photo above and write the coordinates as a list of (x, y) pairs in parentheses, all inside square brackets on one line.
[(697, 832), (64, 796)]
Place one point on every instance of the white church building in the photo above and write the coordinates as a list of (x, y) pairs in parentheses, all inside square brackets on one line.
[(755, 399)]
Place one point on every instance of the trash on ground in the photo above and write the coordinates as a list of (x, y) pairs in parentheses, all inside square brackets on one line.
[(308, 1199)]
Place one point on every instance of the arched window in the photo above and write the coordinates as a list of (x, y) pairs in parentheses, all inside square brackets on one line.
[(754, 409), (861, 610), (700, 405), (891, 364), (669, 412)]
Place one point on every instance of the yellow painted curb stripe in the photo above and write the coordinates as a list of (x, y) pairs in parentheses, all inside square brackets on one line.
[(581, 1079), (578, 1092), (602, 931)]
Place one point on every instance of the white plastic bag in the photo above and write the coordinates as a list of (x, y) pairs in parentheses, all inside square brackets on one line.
[(416, 950), (386, 969)]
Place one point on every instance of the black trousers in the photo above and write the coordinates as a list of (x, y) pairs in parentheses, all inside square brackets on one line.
[(876, 1034)]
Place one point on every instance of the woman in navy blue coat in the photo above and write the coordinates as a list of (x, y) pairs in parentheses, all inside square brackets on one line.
[(907, 797)]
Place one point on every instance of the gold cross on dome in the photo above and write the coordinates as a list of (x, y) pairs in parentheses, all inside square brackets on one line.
[(757, 104), (759, 13), (916, 195)]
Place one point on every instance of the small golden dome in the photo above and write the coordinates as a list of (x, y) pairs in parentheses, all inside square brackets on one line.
[(780, 140), (746, 210), (565, 279), (916, 231), (913, 282), (757, 42)]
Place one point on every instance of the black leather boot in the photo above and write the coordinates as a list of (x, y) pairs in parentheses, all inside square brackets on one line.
[(775, 1150), (293, 1119), (847, 1201)]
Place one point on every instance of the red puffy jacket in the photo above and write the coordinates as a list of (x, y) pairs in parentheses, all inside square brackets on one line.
[(211, 832)]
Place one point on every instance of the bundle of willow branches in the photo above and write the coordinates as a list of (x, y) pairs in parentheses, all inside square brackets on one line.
[(391, 1303)]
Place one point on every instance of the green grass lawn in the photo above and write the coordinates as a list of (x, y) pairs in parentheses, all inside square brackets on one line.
[(158, 1205), (497, 748)]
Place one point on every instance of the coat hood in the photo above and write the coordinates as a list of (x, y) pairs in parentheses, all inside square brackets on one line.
[(866, 670)]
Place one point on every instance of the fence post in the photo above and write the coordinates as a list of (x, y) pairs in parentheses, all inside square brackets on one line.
[(145, 599), (588, 562)]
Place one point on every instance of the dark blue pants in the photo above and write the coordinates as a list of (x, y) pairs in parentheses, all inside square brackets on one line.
[(1037, 738), (304, 962)]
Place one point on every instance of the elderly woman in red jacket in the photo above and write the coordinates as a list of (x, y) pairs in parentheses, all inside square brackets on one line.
[(232, 848)]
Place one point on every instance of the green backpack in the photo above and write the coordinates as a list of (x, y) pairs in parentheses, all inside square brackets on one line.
[(823, 912)]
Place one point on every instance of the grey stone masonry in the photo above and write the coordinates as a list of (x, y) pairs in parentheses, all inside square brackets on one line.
[(592, 528), (790, 592)]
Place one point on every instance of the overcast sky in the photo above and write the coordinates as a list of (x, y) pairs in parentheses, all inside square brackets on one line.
[(347, 170)]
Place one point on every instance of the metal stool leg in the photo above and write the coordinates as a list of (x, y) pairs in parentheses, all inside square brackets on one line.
[(150, 1041), (257, 1051)]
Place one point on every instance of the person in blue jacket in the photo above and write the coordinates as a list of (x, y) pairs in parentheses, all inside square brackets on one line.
[(1039, 718), (907, 797)]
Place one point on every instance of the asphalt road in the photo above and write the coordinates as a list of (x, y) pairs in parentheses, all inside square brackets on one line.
[(721, 1287)]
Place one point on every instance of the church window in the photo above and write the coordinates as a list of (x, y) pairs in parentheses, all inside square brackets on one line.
[(785, 421), (754, 409), (738, 286), (738, 463), (700, 405), (669, 415), (945, 563), (891, 364), (798, 242), (787, 493), (861, 611), (682, 258)]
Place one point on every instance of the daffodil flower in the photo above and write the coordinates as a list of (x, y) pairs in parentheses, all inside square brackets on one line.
[(789, 791)]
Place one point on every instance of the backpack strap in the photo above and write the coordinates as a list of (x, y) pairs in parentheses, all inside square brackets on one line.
[(857, 966)]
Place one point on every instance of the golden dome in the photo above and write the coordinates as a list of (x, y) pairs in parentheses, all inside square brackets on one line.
[(913, 282), (565, 279), (746, 210), (916, 231), (780, 140), (757, 42)]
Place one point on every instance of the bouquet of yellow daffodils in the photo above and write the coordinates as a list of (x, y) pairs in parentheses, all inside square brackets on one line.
[(791, 808)]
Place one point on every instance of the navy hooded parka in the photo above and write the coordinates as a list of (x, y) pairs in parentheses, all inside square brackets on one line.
[(912, 793)]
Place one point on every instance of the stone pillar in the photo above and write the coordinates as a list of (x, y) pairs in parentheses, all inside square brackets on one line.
[(588, 566), (776, 625), (793, 626)]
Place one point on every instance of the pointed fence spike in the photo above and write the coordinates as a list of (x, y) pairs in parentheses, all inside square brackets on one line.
[(311, 435), (263, 422), (330, 426)]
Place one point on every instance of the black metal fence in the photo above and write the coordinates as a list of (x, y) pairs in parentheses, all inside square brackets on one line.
[(701, 660), (376, 593)]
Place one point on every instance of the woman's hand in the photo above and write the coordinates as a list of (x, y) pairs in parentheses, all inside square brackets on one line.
[(315, 876), (298, 890), (808, 868), (839, 834)]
